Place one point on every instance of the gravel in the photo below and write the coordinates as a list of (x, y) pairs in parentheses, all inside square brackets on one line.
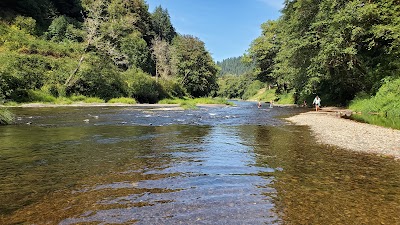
[(330, 129)]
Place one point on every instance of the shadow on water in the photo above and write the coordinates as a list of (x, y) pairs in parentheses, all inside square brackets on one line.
[(229, 165)]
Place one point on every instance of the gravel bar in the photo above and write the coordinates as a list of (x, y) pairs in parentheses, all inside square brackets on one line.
[(329, 128)]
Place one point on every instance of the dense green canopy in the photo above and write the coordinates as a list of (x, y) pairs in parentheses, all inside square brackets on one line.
[(99, 48), (332, 48)]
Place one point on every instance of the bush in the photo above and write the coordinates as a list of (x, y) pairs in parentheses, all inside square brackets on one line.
[(27, 24), (171, 89), (142, 86), (99, 78)]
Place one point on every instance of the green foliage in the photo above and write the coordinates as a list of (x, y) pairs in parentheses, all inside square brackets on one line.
[(265, 95), (135, 47), (62, 28), (264, 50), (77, 98), (99, 78), (286, 98), (171, 89), (191, 103), (42, 10), (6, 117), (93, 100), (162, 24), (386, 102), (253, 89), (39, 96), (63, 101), (26, 24), (333, 48), (392, 122), (232, 86), (122, 100), (142, 86), (101, 52), (194, 66)]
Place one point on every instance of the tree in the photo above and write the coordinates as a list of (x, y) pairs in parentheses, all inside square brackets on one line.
[(194, 66), (264, 49), (137, 51), (162, 24), (333, 48), (235, 65), (162, 55)]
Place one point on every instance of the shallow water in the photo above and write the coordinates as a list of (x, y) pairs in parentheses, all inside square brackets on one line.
[(220, 165)]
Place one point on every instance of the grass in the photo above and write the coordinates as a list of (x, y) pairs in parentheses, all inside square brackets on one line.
[(287, 98), (382, 109), (93, 100), (265, 95), (40, 96), (6, 117), (122, 100), (191, 103), (386, 102), (378, 120)]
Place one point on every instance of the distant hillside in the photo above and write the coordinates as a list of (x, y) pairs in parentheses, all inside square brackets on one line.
[(234, 66)]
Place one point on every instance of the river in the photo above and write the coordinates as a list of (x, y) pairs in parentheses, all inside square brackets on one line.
[(213, 165)]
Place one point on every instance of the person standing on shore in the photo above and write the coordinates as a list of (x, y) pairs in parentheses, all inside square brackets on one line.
[(317, 103)]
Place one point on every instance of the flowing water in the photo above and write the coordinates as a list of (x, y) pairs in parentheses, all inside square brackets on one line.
[(214, 165)]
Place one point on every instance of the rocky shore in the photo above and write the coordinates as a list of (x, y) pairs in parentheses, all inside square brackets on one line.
[(329, 128)]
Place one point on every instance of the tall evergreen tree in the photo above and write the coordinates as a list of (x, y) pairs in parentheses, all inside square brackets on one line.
[(162, 24)]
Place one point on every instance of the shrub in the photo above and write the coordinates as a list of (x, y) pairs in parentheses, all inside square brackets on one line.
[(172, 89), (27, 24), (100, 78), (142, 86)]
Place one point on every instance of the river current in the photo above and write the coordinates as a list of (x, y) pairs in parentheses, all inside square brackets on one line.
[(159, 165)]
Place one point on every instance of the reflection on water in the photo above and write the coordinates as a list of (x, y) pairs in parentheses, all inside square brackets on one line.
[(229, 165)]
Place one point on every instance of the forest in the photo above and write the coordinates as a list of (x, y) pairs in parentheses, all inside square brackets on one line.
[(102, 49), (347, 52)]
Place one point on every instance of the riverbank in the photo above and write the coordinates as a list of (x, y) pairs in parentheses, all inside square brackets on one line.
[(329, 128), (82, 104)]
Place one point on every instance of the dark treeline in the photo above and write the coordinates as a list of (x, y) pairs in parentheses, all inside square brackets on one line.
[(234, 66), (98, 48), (337, 49)]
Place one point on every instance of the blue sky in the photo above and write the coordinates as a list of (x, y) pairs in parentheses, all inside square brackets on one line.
[(227, 27)]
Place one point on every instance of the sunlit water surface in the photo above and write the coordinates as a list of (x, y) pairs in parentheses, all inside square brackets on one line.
[(218, 165)]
